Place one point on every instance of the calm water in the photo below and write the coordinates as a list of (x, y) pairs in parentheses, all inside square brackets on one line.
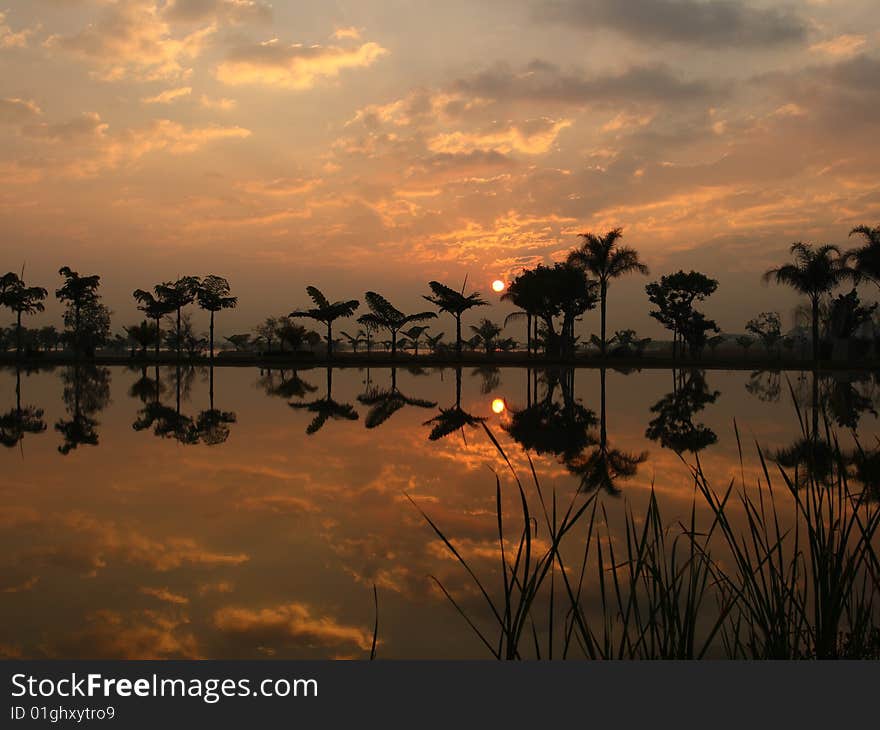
[(143, 516)]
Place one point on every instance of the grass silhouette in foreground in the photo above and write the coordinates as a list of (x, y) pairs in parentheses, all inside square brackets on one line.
[(687, 591)]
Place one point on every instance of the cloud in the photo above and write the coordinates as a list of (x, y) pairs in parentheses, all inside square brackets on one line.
[(168, 96), (350, 33), (87, 125), (131, 40), (219, 104), (163, 594), (13, 39), (293, 66), (17, 111), (289, 624), (532, 138), (710, 23), (281, 187), (221, 11), (841, 46), (545, 82)]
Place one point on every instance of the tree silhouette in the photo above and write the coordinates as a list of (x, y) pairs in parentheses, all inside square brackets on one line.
[(154, 307), (289, 387), (814, 272), (86, 394), (212, 295), (326, 408), (767, 327), (79, 293), (488, 333), (674, 427), (21, 299), (674, 295), (144, 334), (177, 295), (213, 425), (355, 340), (455, 303), (21, 420), (414, 335), (327, 313), (383, 315), (866, 259), (384, 403), (602, 257)]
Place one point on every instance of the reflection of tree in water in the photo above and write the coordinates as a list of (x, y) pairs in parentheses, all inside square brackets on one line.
[(326, 408), (86, 394), (674, 427), (560, 427), (452, 419), (21, 420), (765, 385), (846, 399), (284, 386), (864, 469), (213, 425), (385, 402), (602, 467), (491, 378)]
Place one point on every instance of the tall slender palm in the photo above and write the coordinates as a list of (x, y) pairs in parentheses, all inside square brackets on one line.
[(866, 260), (327, 313), (21, 299), (78, 292), (814, 272), (213, 295), (155, 308), (602, 257), (178, 294), (385, 315), (455, 303)]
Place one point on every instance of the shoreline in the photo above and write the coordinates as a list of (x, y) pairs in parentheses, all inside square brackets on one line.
[(501, 360)]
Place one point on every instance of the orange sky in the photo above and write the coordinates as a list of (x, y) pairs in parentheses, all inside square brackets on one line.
[(380, 144)]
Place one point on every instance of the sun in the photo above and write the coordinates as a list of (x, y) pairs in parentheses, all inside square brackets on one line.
[(498, 285), (498, 406)]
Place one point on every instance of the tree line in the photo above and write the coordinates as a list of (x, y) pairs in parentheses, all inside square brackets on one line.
[(550, 298)]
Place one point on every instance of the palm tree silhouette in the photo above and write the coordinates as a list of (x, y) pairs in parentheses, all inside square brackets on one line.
[(21, 299), (455, 303), (327, 313), (155, 308), (383, 315), (21, 420), (289, 387), (814, 272), (604, 466), (866, 260), (213, 425), (177, 295), (452, 419), (79, 292), (487, 332), (602, 257), (385, 403), (326, 408), (86, 393), (355, 340), (213, 295), (143, 334)]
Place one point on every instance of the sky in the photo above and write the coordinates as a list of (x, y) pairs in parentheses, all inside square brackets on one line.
[(379, 144)]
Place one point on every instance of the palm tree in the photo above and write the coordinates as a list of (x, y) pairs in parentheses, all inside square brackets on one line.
[(455, 303), (414, 334), (213, 295), (453, 419), (21, 420), (327, 313), (383, 315), (814, 272), (384, 403), (354, 340), (603, 258), (178, 294), (79, 292), (21, 299), (155, 308), (488, 333), (326, 408), (867, 258)]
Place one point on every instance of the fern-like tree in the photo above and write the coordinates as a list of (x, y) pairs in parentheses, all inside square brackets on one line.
[(213, 296), (603, 258), (384, 315), (155, 308), (327, 313), (177, 295), (21, 299), (866, 259), (455, 303), (488, 333), (79, 293), (355, 340), (813, 272), (415, 334), (144, 334)]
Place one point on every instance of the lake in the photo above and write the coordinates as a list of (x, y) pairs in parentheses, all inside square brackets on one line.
[(165, 513)]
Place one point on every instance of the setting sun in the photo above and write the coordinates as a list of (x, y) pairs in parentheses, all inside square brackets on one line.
[(498, 285), (498, 406)]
